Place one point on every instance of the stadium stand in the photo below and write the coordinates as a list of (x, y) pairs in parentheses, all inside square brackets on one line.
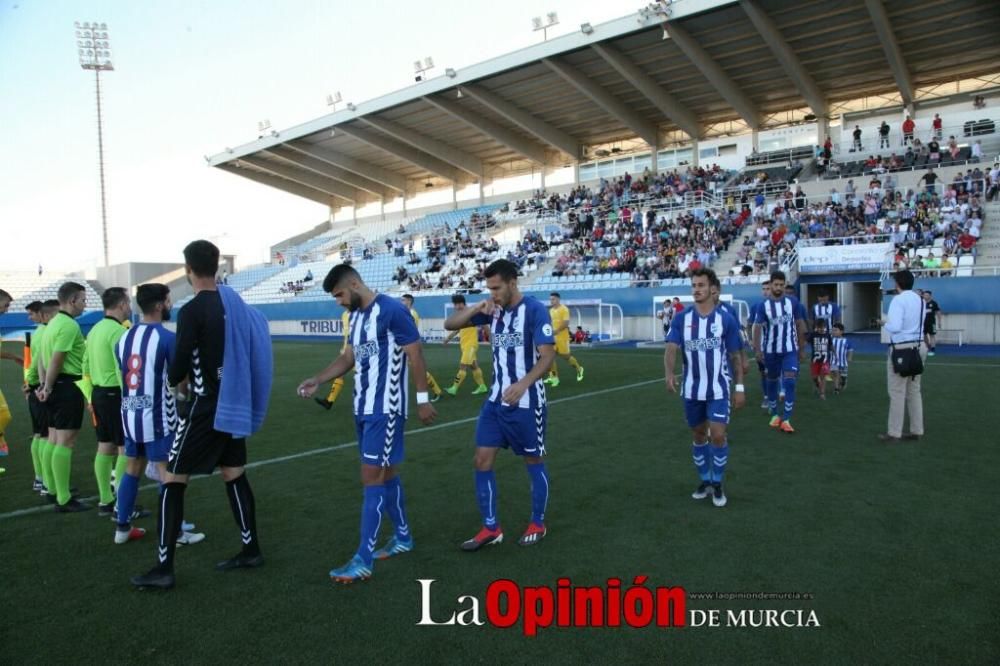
[(26, 287)]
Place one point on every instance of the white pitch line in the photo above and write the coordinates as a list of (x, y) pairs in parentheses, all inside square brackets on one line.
[(337, 447)]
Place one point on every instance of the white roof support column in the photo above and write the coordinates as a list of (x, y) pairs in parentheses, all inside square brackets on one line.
[(611, 104), (543, 131), (711, 70), (880, 20), (654, 92), (786, 57), (512, 140), (402, 151), (364, 169), (442, 151)]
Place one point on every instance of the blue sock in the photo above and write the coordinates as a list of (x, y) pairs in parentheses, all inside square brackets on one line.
[(486, 493), (788, 383), (128, 488), (539, 492), (371, 519), (720, 457), (772, 395), (395, 504), (702, 460)]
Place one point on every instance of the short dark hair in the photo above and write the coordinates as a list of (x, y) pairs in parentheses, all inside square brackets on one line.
[(823, 293), (148, 295), (4, 296), (113, 297), (34, 306), (713, 279), (51, 304), (408, 297), (904, 279), (820, 323), (778, 275), (556, 294), (203, 258), (69, 290), (338, 274), (928, 292), (457, 298), (839, 327), (504, 269)]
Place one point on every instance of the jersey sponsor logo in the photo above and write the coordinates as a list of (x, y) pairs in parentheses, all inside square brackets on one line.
[(547, 330), (702, 344), (135, 403), (366, 350), (510, 340), (782, 319)]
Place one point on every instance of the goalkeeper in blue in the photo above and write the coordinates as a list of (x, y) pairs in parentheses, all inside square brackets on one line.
[(708, 336)]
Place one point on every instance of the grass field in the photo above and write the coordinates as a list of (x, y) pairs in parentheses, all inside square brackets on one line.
[(897, 544)]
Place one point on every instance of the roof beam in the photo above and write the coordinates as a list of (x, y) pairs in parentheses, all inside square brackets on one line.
[(612, 105), (654, 92), (329, 171), (880, 20), (361, 168), (281, 184), (498, 133), (402, 151), (711, 70), (442, 151), (543, 131), (786, 57), (307, 178)]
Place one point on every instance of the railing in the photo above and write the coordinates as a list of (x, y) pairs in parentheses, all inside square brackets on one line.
[(964, 134), (780, 156)]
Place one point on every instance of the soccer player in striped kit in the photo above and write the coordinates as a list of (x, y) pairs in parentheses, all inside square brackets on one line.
[(514, 415), (843, 351), (382, 336), (709, 336), (824, 309), (761, 368), (783, 347)]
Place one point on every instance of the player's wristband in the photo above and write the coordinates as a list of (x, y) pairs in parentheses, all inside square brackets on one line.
[(423, 398), (740, 388)]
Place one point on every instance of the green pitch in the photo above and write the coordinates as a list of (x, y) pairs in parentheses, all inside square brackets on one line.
[(897, 544)]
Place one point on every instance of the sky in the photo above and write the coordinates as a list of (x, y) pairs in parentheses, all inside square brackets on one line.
[(192, 77)]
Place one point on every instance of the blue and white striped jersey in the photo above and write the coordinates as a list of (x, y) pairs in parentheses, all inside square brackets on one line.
[(830, 312), (781, 317), (517, 333), (148, 410), (377, 335), (706, 342), (841, 346)]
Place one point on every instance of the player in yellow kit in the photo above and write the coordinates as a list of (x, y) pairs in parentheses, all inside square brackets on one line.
[(338, 383), (559, 314), (432, 384), (468, 342)]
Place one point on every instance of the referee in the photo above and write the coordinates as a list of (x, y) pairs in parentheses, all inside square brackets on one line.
[(101, 366), (905, 327)]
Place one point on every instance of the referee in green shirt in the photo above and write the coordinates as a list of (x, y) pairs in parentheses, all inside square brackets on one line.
[(63, 349), (100, 366)]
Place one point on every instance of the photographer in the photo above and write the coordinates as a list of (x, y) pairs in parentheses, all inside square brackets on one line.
[(904, 326)]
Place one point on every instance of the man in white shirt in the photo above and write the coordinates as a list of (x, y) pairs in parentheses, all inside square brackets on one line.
[(905, 326)]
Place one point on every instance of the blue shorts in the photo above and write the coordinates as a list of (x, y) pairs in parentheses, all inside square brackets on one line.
[(155, 451), (380, 439), (778, 364), (698, 411), (505, 426)]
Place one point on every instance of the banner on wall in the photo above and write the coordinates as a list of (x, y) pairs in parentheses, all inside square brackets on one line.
[(864, 258)]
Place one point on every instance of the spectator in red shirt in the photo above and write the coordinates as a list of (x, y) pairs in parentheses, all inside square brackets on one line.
[(908, 126), (966, 243), (580, 336), (678, 307), (936, 124)]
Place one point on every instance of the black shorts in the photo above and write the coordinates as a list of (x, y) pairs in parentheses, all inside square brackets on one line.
[(107, 404), (930, 328), (39, 412), (199, 448), (65, 404)]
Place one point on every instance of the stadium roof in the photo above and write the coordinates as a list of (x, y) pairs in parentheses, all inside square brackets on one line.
[(672, 68)]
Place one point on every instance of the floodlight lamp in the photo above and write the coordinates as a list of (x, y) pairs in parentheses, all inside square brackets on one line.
[(274, 133), (428, 62), (417, 67), (450, 73), (586, 28), (536, 23), (553, 18), (350, 106), (104, 26)]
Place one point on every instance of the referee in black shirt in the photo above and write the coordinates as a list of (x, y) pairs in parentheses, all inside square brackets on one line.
[(198, 447)]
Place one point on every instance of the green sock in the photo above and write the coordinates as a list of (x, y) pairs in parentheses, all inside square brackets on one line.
[(103, 462), (46, 449), (36, 456), (62, 461), (120, 466)]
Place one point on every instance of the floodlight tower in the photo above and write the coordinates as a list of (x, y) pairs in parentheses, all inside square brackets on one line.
[(551, 20), (94, 50)]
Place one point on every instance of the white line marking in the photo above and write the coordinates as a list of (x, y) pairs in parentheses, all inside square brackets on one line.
[(337, 447)]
